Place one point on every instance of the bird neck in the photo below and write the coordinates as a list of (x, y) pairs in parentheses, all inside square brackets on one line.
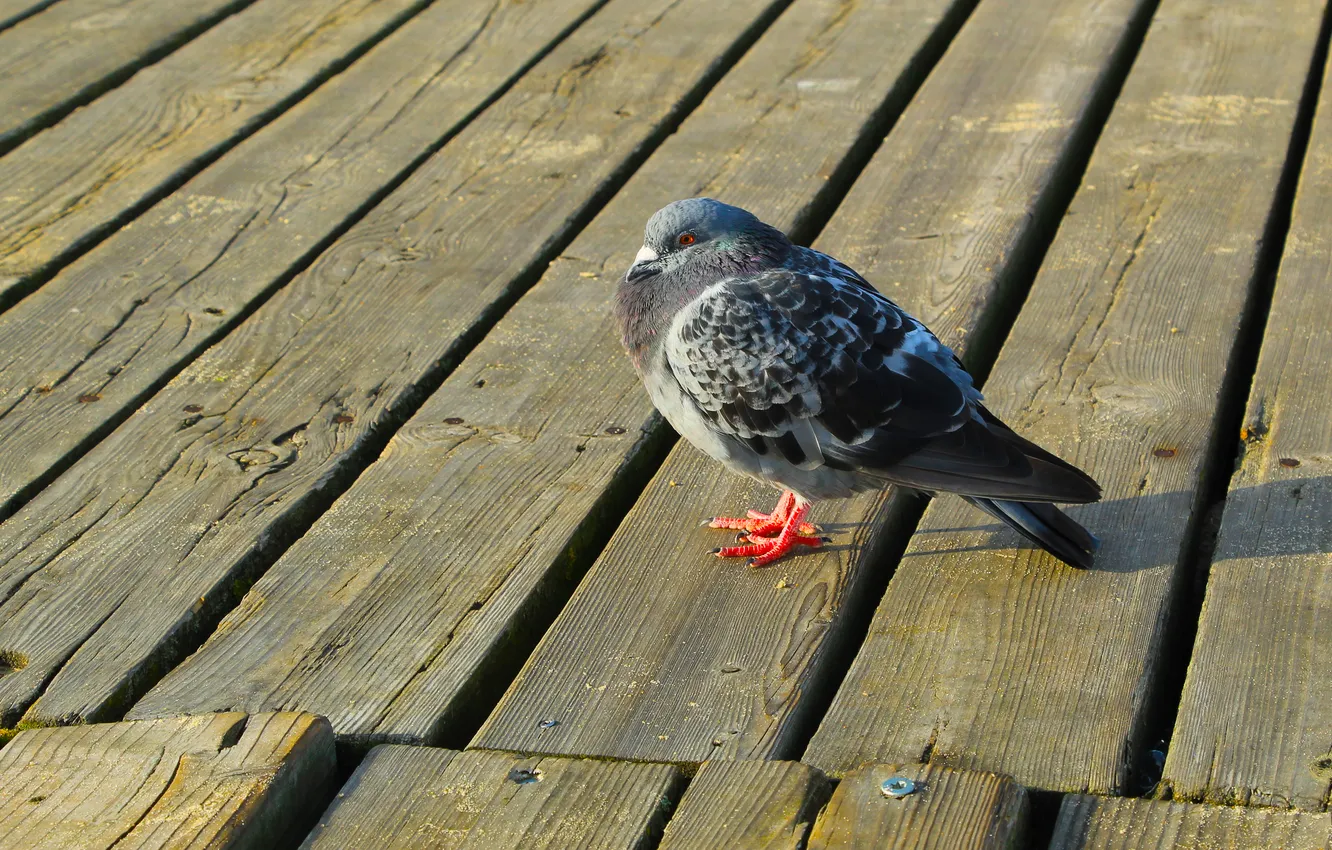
[(645, 308)]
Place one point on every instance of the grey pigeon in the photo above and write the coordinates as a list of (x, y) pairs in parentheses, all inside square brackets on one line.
[(787, 366)]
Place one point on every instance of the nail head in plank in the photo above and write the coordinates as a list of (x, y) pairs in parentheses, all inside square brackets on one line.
[(157, 530), (84, 349), (396, 611), (81, 176), (989, 656), (412, 798), (941, 808), (68, 52), (666, 653), (217, 781), (1099, 823), (1252, 725), (747, 805)]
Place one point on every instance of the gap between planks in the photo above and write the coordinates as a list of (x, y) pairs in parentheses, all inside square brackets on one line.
[(1251, 726), (243, 450), (110, 330), (969, 659), (404, 797), (76, 182), (71, 52), (539, 427), (219, 781), (14, 11), (666, 653)]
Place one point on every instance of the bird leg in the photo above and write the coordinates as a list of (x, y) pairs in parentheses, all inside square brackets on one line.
[(762, 524), (764, 550)]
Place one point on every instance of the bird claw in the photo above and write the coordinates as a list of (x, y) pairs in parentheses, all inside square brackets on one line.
[(763, 525), (762, 551), (767, 537)]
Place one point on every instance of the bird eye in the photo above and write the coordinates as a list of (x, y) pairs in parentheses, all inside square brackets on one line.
[(686, 239)]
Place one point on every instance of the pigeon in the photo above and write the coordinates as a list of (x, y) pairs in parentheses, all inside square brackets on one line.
[(786, 366)]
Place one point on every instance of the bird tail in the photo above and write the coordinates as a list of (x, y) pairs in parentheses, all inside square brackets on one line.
[(1046, 526), (982, 457)]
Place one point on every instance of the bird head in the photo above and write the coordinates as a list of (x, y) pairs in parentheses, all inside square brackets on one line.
[(705, 239)]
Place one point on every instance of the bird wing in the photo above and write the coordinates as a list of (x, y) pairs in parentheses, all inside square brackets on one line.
[(817, 367), (776, 358)]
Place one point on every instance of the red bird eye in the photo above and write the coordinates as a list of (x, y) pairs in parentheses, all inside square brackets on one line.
[(686, 239)]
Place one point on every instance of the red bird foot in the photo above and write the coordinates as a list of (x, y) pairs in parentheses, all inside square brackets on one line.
[(759, 524), (787, 520)]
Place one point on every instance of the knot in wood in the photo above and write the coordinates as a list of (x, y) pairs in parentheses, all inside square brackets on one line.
[(246, 458)]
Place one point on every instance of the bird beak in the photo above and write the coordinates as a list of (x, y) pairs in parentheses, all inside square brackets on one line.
[(644, 265)]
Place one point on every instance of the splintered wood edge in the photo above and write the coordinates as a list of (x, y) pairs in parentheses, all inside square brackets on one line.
[(254, 781)]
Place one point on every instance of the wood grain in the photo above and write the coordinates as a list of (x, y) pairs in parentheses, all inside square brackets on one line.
[(81, 353), (71, 51), (411, 798), (114, 571), (953, 809), (1098, 823), (402, 610), (215, 781), (13, 11), (666, 653), (985, 653), (747, 805), (72, 182), (1253, 724)]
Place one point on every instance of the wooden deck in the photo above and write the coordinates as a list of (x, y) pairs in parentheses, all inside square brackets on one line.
[(334, 516)]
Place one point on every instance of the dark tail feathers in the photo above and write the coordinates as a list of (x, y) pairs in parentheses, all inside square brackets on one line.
[(1046, 526)]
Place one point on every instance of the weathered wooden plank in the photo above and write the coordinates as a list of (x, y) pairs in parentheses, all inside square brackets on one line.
[(945, 808), (13, 11), (667, 654), (80, 354), (986, 655), (113, 571), (747, 805), (412, 798), (216, 781), (1099, 823), (71, 51), (394, 611), (72, 182), (1253, 723)]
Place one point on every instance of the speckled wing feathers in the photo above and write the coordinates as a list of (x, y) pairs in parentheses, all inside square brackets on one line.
[(787, 358)]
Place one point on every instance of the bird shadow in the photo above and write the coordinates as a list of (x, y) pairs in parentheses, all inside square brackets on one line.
[(1290, 517)]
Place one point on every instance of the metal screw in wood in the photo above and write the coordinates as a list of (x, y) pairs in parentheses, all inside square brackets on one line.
[(898, 786)]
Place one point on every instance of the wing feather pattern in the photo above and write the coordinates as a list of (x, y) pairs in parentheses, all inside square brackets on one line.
[(816, 367)]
